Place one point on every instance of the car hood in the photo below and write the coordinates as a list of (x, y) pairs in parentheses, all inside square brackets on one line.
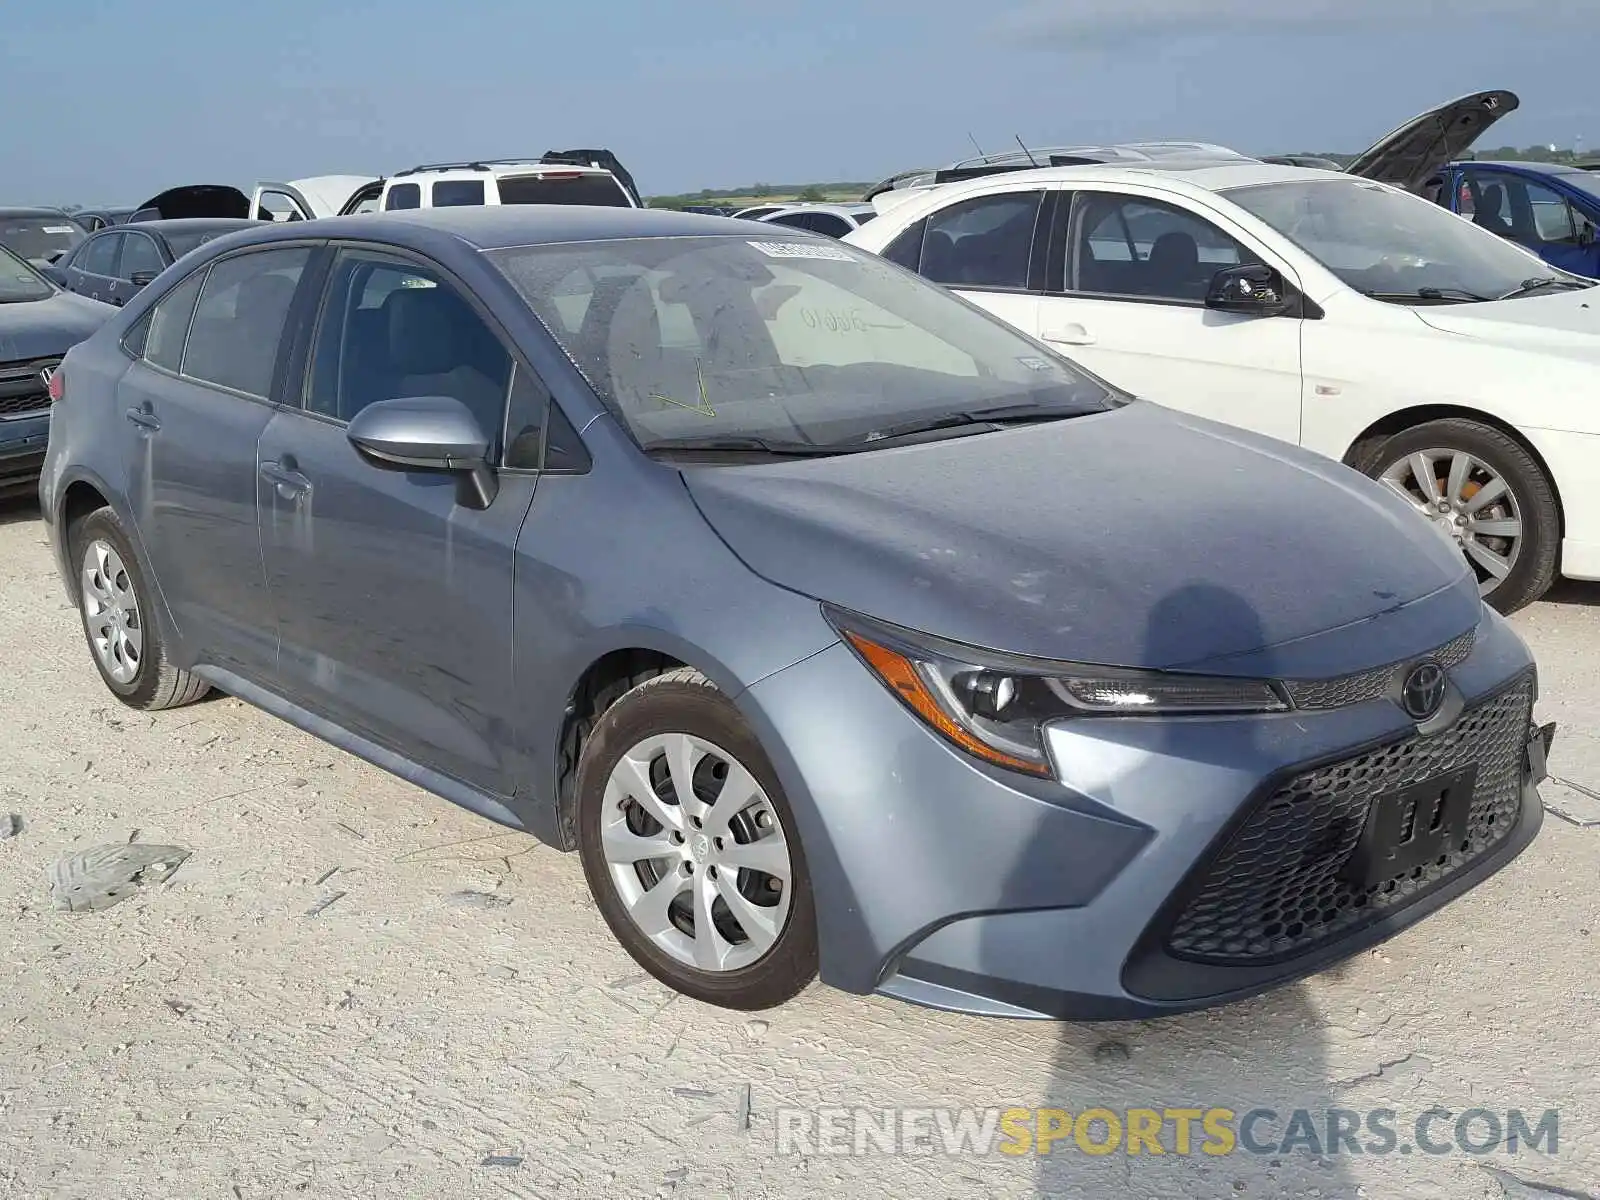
[(1424, 145), (1138, 537), (48, 328), (1566, 324), (195, 200)]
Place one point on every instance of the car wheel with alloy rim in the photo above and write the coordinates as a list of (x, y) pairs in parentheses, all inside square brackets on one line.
[(1483, 491)]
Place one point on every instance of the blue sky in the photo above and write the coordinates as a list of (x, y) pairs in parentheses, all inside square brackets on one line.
[(107, 101)]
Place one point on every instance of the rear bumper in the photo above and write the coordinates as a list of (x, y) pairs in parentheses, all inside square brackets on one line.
[(946, 885)]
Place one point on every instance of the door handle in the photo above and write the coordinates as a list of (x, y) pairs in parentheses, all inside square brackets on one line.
[(117, 300), (144, 419), (1069, 335), (291, 485)]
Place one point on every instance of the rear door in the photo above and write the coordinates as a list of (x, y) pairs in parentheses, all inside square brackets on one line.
[(988, 249), (196, 402), (393, 596), (1128, 278), (94, 266)]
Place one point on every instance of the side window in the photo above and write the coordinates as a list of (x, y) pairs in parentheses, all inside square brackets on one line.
[(1130, 246), (139, 253), (100, 256), (1486, 198), (983, 242), (278, 206), (455, 193), (828, 223), (792, 220), (240, 317), (391, 328), (1551, 215), (169, 323), (404, 195), (906, 250)]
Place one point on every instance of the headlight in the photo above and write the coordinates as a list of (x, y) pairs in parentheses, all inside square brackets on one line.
[(994, 706)]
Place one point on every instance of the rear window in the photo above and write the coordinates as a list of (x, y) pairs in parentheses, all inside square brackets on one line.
[(404, 195), (591, 189), (39, 237), (182, 243)]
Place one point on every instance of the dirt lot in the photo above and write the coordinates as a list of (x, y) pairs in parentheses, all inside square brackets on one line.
[(458, 1023)]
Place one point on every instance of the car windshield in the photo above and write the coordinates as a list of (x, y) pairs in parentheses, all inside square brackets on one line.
[(20, 282), (1389, 244), (802, 342), (40, 237)]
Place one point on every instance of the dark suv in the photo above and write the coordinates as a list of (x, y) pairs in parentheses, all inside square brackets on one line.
[(38, 324)]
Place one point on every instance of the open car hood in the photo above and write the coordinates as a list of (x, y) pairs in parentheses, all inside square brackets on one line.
[(195, 200), (1425, 145)]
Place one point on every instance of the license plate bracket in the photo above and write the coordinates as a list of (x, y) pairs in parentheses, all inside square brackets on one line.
[(1413, 827)]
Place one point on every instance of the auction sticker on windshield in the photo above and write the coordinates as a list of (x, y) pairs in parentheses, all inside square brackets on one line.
[(803, 250)]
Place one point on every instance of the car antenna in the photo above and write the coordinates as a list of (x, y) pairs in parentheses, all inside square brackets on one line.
[(1026, 151), (975, 145)]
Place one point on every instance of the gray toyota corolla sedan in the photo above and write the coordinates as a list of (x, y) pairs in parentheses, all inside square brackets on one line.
[(839, 628)]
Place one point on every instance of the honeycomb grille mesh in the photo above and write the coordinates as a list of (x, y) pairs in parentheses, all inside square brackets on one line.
[(1369, 685), (1275, 888)]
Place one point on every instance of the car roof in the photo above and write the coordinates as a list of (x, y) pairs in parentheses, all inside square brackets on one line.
[(497, 226), (32, 212), (184, 225), (1204, 174), (1527, 168)]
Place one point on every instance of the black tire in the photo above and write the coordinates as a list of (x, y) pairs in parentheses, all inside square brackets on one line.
[(156, 684), (1536, 565), (685, 701)]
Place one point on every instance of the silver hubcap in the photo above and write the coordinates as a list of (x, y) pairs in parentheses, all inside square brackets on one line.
[(696, 852), (111, 612), (1469, 503)]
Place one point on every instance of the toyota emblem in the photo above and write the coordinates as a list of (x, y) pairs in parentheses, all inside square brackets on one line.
[(1422, 693)]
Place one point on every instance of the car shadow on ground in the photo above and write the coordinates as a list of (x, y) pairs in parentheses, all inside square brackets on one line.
[(1264, 1054), (1572, 593), (18, 510)]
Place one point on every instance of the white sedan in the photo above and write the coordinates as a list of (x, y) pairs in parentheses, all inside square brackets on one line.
[(1339, 313), (833, 220)]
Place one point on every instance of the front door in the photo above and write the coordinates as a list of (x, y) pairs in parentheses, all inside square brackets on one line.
[(1532, 214), (194, 408), (393, 597), (1127, 299), (140, 256)]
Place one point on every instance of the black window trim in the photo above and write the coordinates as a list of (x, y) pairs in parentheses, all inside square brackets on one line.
[(301, 368), (1301, 307)]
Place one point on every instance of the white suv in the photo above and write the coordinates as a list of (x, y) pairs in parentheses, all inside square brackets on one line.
[(504, 182)]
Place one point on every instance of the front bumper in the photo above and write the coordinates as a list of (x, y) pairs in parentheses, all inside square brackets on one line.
[(943, 883), (23, 442)]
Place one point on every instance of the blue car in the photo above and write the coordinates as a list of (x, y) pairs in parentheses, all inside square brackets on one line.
[(838, 627), (1552, 209)]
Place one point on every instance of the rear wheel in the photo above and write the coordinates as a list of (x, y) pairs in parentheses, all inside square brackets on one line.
[(691, 849), (1486, 493), (118, 621)]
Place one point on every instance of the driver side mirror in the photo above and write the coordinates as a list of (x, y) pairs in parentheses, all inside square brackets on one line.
[(1251, 290), (1586, 232), (428, 433)]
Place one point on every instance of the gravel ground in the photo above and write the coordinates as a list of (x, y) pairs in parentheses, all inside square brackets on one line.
[(446, 1015)]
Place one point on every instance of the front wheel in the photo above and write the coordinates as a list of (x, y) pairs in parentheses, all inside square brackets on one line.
[(690, 848), (1484, 491)]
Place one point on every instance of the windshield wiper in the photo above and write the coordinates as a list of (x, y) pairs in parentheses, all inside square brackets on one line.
[(1446, 295), (1543, 281), (1005, 414), (740, 444)]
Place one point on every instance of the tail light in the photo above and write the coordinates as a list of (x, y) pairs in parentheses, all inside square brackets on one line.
[(55, 384)]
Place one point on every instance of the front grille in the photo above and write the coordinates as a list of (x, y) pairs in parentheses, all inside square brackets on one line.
[(1369, 685), (23, 389), (1276, 888)]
